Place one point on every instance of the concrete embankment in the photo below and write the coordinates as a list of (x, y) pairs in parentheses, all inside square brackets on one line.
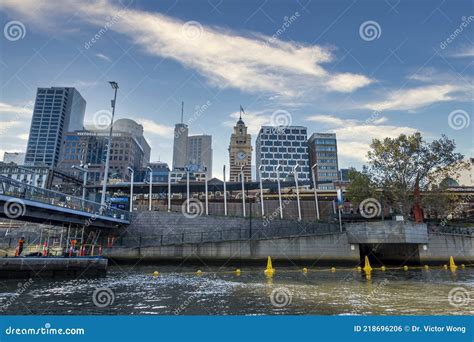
[(161, 236), (31, 267)]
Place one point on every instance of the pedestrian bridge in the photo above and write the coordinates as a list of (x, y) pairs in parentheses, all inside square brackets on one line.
[(20, 201)]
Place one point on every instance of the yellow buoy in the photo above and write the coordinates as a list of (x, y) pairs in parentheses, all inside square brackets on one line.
[(367, 267), (333, 269), (382, 268), (156, 274), (198, 272), (405, 268), (463, 266), (358, 268), (445, 267), (452, 264), (305, 270), (427, 267), (237, 272), (269, 270)]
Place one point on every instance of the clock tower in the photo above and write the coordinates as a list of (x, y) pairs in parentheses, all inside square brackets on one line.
[(240, 152)]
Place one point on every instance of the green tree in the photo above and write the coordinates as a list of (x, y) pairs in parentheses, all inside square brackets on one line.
[(397, 166)]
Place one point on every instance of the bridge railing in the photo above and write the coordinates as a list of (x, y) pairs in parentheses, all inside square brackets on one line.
[(22, 191)]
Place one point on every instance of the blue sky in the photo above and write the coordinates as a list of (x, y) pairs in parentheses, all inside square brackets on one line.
[(310, 63)]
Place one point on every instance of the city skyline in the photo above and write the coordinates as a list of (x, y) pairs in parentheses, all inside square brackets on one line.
[(325, 73)]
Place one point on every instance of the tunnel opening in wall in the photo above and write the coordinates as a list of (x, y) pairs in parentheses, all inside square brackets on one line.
[(391, 254)]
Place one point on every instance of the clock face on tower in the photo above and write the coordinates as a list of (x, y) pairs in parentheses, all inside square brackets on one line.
[(241, 155)]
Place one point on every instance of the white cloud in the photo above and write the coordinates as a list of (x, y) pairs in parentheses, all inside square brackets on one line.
[(102, 56), (253, 120), (354, 136), (326, 119), (414, 98), (154, 128), (467, 52), (254, 63), (6, 108), (347, 83)]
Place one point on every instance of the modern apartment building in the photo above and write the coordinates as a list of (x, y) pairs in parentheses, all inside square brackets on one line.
[(323, 152), (56, 112), (285, 146)]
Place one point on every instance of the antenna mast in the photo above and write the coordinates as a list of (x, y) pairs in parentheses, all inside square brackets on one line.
[(182, 111)]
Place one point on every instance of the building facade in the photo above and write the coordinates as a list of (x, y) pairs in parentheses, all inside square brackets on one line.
[(199, 153), (323, 152), (240, 153), (180, 146), (160, 172), (14, 157), (128, 149), (285, 146), (56, 111)]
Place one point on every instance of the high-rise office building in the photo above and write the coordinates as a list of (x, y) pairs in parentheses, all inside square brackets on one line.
[(285, 146), (199, 152), (240, 153), (323, 151), (129, 148), (180, 146), (57, 111)]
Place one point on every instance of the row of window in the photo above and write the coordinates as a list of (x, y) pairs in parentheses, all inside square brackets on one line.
[(284, 149), (273, 131), (274, 137), (280, 143)]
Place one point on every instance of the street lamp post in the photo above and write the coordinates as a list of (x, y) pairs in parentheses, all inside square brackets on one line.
[(243, 189), (187, 189), (150, 188), (279, 190), (205, 186), (297, 190), (169, 191), (261, 190), (109, 145), (131, 187), (315, 187), (225, 195)]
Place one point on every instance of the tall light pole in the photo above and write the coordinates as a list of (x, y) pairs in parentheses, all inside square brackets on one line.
[(83, 169), (205, 187), (261, 190), (295, 172), (114, 86), (279, 190), (225, 194), (169, 191), (131, 187), (151, 186), (187, 189), (243, 189), (315, 187)]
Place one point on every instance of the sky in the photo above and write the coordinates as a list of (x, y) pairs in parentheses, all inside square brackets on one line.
[(360, 69)]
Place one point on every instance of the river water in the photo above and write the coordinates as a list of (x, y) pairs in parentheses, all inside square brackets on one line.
[(218, 291)]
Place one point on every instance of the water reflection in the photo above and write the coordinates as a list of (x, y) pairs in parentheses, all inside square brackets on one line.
[(181, 291)]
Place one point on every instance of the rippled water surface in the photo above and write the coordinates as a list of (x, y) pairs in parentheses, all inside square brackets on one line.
[(177, 290)]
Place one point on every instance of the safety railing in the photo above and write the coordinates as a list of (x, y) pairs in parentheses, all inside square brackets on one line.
[(22, 191)]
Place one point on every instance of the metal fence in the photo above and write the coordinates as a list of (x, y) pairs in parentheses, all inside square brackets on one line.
[(22, 191)]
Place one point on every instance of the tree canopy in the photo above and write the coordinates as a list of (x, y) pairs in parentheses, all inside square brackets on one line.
[(397, 166)]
